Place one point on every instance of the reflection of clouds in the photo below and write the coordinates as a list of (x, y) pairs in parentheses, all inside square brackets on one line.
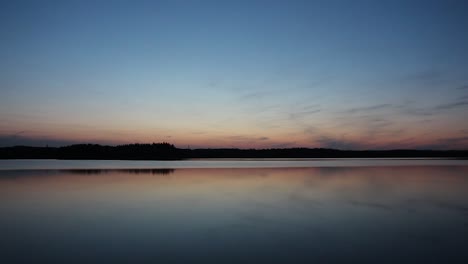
[(453, 207), (288, 204), (371, 205), (300, 203), (408, 189), (299, 190), (437, 203)]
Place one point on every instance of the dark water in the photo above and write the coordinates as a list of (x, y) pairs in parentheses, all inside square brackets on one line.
[(385, 214)]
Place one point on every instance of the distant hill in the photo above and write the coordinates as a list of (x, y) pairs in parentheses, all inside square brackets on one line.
[(166, 151)]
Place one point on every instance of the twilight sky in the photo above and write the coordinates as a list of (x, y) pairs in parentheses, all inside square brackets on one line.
[(340, 74)]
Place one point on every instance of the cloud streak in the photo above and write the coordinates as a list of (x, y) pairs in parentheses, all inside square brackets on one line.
[(18, 140), (299, 115), (369, 108), (338, 143), (247, 138), (451, 105)]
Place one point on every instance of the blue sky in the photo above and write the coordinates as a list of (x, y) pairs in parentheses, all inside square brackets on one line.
[(342, 74)]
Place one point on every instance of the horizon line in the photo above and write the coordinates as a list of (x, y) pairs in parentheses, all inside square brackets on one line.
[(231, 148)]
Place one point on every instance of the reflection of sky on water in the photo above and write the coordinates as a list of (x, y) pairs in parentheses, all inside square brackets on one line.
[(25, 164), (367, 214)]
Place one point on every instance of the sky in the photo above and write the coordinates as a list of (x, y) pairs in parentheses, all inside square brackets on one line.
[(244, 74)]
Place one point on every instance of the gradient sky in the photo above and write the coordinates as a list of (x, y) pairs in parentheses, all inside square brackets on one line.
[(340, 74)]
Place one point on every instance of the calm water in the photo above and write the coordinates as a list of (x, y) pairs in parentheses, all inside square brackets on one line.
[(221, 163), (374, 213)]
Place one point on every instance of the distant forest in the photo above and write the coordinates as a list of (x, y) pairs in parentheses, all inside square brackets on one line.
[(166, 151)]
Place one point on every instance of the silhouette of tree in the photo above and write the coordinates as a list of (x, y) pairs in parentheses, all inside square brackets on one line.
[(166, 151)]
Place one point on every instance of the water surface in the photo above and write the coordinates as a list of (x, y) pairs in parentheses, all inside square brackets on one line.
[(21, 164), (371, 214)]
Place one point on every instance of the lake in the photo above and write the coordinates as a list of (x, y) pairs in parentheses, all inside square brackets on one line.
[(234, 211)]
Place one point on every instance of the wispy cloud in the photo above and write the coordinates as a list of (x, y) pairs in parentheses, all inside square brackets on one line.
[(17, 140), (419, 112), (303, 114), (369, 108), (198, 133), (424, 76), (284, 145), (447, 143), (409, 109), (18, 133), (338, 143), (247, 138), (451, 105), (256, 95), (427, 120)]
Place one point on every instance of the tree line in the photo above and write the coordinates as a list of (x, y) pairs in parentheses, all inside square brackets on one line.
[(167, 151)]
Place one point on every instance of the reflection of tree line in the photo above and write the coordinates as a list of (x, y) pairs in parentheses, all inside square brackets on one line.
[(166, 151), (131, 171), (151, 171)]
